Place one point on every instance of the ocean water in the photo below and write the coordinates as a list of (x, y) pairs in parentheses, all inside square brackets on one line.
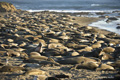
[(66, 5), (110, 26)]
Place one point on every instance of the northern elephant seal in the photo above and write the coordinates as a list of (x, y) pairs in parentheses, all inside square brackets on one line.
[(11, 68), (86, 65), (77, 60), (39, 48), (104, 67), (34, 72)]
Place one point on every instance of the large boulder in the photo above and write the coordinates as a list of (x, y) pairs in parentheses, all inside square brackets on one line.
[(5, 7)]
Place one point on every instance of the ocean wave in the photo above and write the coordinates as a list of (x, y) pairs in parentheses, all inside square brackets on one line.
[(95, 4), (17, 6), (72, 11)]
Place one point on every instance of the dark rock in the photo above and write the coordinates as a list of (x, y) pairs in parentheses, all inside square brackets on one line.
[(4, 7), (111, 19), (118, 27)]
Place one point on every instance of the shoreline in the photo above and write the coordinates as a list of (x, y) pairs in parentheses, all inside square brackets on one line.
[(74, 11)]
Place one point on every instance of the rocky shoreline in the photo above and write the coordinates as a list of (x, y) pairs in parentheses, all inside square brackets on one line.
[(56, 46)]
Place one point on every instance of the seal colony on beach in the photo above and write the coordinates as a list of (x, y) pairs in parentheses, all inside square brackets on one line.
[(49, 44)]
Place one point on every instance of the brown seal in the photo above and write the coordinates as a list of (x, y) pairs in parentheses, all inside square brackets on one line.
[(86, 65), (77, 60), (39, 48), (11, 68)]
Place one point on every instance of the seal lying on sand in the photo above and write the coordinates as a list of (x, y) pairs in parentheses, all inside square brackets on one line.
[(34, 72), (104, 67), (77, 60), (108, 50), (34, 54), (86, 65), (11, 68), (35, 59)]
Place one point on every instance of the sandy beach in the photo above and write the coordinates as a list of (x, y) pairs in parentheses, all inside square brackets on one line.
[(52, 43)]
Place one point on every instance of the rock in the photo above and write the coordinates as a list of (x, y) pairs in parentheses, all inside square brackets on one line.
[(112, 18), (5, 7), (118, 27)]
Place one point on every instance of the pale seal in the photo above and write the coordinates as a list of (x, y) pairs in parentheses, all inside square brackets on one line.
[(34, 72), (104, 67)]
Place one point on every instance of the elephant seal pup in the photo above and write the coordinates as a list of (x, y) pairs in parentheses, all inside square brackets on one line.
[(34, 72), (11, 68), (104, 67), (77, 60)]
